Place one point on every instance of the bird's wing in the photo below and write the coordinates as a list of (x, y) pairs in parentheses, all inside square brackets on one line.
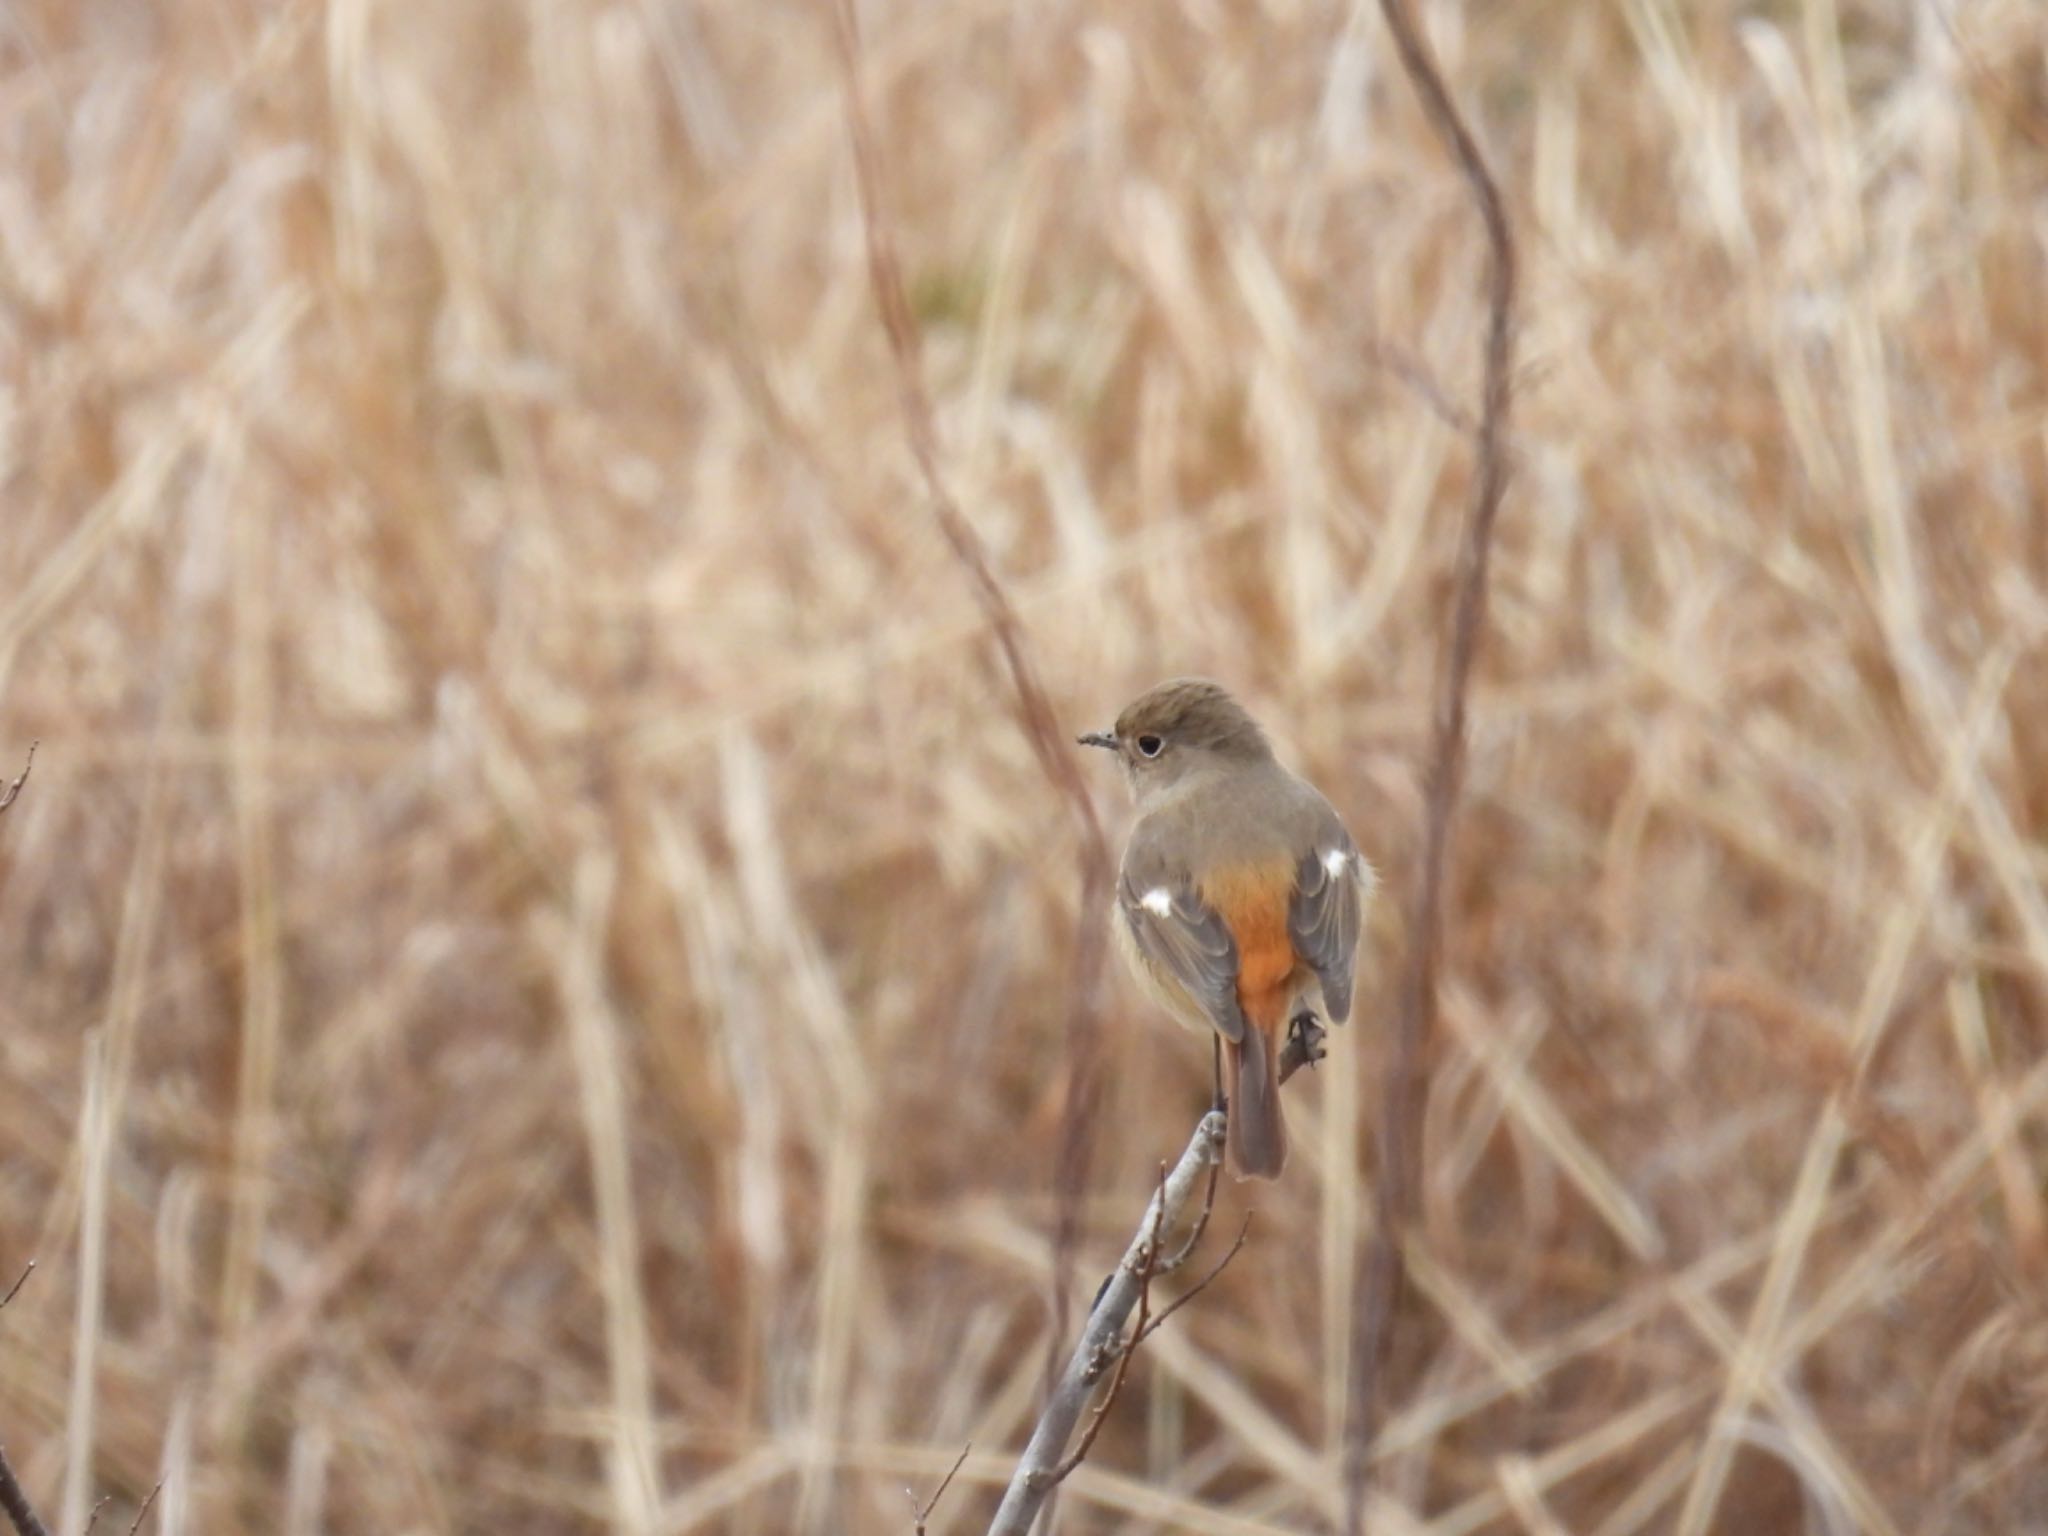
[(1184, 940), (1331, 888)]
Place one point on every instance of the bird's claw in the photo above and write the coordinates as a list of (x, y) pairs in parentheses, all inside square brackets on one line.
[(1304, 1048)]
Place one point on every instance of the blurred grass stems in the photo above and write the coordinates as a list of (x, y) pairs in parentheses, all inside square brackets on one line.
[(1388, 1266), (540, 343), (1051, 745)]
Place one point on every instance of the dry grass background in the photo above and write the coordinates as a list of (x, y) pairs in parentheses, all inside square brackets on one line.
[(536, 953)]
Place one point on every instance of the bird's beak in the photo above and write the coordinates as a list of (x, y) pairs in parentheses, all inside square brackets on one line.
[(1097, 739)]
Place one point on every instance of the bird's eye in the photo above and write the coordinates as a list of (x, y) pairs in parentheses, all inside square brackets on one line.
[(1150, 746)]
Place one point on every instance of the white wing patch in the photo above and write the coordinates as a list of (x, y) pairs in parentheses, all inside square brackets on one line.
[(1158, 901), (1334, 861)]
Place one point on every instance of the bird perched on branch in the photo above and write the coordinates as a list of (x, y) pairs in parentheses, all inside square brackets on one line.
[(1239, 901)]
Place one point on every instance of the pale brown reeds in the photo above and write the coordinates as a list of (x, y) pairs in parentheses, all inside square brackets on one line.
[(536, 952)]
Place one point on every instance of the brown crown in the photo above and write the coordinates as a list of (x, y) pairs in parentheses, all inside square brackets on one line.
[(1195, 712)]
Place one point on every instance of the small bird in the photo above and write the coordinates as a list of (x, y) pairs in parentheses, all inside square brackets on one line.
[(1239, 901)]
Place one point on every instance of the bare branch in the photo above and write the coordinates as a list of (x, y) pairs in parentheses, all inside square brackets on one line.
[(923, 1511), (142, 1513), (1101, 1341), (16, 1503), (1146, 1271), (1147, 1325), (13, 791), (1168, 1266), (1383, 1274), (12, 1499), (1145, 1332), (1411, 371)]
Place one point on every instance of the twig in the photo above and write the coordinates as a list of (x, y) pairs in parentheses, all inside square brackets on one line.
[(1410, 370), (16, 1503), (1030, 704), (143, 1512), (924, 1511), (1141, 1330), (1187, 1249), (1243, 1231), (1147, 1269), (1382, 1276), (12, 1499), (1101, 1341), (13, 790), (1145, 1326)]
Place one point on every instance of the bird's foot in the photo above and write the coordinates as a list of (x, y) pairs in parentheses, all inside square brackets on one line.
[(1304, 1048)]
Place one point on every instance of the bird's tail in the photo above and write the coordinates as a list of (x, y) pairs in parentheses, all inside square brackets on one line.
[(1257, 1139)]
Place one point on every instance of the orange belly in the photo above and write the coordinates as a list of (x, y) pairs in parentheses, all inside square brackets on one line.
[(1252, 900)]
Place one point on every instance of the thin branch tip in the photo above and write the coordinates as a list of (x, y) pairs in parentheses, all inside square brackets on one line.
[(13, 790), (15, 1502), (27, 1270), (923, 1512), (143, 1513)]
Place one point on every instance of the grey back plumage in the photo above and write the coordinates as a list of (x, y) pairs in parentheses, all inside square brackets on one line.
[(1224, 835), (1241, 822)]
